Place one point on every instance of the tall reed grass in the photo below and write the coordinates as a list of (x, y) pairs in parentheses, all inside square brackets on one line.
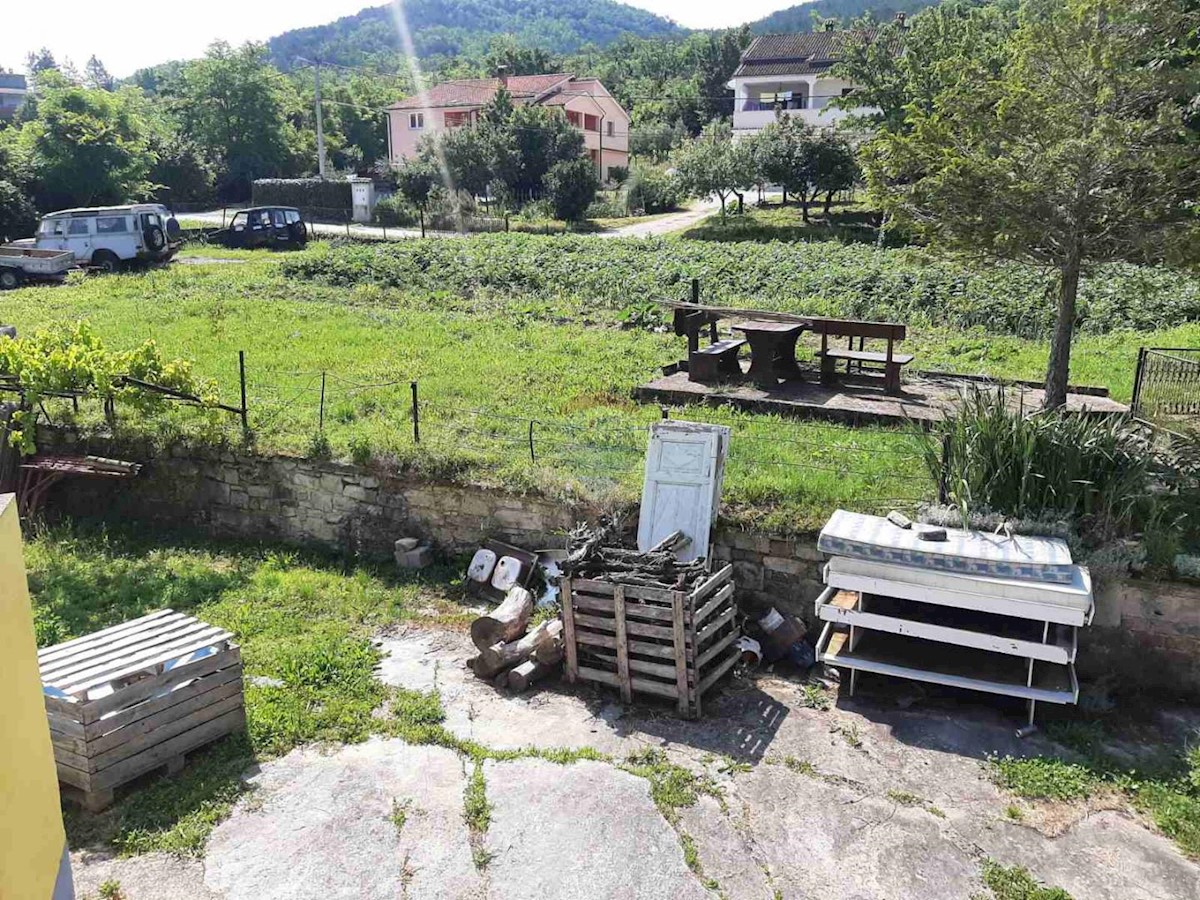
[(1096, 471)]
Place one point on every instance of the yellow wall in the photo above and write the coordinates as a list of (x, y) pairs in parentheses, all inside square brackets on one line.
[(31, 829)]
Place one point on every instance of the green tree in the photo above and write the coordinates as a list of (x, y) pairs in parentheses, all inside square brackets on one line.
[(87, 147), (714, 164), (571, 185), (96, 76), (180, 173), (415, 180), (17, 215), (233, 105), (1077, 153)]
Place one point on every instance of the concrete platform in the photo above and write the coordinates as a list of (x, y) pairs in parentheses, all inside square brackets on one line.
[(859, 399)]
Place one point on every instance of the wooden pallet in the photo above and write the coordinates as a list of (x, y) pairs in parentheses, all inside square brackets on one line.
[(645, 640), (120, 705)]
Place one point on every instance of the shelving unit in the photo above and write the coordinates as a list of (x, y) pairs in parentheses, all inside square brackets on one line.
[(951, 619)]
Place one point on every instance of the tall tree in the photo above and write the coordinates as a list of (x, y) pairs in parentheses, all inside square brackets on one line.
[(1077, 153), (95, 75), (87, 147), (233, 105), (714, 164)]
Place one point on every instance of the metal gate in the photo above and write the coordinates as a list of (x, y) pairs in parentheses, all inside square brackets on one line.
[(1167, 382)]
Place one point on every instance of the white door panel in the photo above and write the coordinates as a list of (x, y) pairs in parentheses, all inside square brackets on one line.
[(684, 469)]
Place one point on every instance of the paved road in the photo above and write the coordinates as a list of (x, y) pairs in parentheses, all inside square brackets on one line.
[(650, 228), (871, 799)]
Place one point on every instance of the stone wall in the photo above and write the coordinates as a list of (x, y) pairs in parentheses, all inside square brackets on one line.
[(1143, 630)]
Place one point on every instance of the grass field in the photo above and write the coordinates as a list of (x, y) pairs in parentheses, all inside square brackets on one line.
[(499, 331)]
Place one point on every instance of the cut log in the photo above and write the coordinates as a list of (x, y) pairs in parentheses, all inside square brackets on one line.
[(495, 659), (520, 678), (506, 622)]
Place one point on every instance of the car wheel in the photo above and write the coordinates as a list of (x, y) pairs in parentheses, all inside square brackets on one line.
[(106, 261), (9, 280)]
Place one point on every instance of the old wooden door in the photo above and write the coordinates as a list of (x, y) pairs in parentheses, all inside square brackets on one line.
[(685, 464)]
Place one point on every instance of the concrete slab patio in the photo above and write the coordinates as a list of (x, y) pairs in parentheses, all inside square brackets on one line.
[(881, 797)]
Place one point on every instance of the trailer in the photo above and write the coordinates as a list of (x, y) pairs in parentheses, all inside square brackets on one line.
[(19, 264)]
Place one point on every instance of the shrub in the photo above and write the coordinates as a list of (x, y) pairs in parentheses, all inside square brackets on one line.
[(1093, 470), (572, 185), (608, 206), (395, 212), (306, 193), (17, 215), (652, 190)]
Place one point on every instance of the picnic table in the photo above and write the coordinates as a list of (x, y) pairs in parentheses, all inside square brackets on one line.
[(772, 350)]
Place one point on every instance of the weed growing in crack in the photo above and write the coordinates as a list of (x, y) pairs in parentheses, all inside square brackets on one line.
[(1015, 883), (477, 813), (399, 813), (672, 787)]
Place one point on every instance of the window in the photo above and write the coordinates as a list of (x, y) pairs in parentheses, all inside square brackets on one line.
[(150, 220), (846, 92), (111, 225), (79, 227), (277, 218), (416, 120), (591, 123), (608, 128), (292, 217), (260, 219), (574, 118), (54, 227), (455, 119), (239, 222)]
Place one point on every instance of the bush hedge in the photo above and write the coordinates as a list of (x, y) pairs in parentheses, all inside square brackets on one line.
[(305, 193), (823, 278)]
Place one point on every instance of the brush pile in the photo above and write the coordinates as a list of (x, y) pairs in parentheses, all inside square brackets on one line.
[(657, 567)]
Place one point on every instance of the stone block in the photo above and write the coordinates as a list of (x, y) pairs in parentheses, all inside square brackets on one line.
[(415, 559), (786, 565), (747, 576), (261, 491), (407, 543)]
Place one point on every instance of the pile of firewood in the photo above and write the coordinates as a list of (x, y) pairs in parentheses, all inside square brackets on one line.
[(588, 557), (510, 653)]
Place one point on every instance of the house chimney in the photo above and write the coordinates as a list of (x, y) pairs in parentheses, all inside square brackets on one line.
[(830, 24), (900, 17), (502, 74)]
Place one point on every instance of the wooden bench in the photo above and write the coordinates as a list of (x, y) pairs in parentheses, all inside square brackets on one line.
[(890, 361), (715, 361)]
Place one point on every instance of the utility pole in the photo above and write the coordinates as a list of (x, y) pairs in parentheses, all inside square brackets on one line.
[(320, 120)]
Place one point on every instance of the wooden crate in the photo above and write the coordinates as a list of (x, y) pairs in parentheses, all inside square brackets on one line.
[(649, 640), (120, 704)]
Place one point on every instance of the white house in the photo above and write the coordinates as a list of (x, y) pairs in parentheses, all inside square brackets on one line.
[(12, 94), (790, 72)]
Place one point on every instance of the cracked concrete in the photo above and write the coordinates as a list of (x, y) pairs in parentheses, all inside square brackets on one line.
[(872, 798)]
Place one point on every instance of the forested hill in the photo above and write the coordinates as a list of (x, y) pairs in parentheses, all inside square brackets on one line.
[(454, 27), (800, 18)]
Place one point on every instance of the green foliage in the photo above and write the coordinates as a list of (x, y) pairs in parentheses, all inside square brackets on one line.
[(1062, 148), (18, 218), (805, 160), (571, 186), (448, 28), (1015, 883), (1094, 471), (672, 787), (714, 164), (1045, 778), (650, 189), (802, 16), (181, 172), (305, 193), (415, 180), (66, 357), (86, 147), (859, 282)]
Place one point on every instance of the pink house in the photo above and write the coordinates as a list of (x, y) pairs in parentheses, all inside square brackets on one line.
[(454, 104)]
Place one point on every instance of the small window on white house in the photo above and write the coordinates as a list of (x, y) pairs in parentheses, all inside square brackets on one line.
[(609, 128), (416, 120)]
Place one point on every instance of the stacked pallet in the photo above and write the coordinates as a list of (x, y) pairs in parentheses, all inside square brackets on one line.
[(132, 698), (672, 641)]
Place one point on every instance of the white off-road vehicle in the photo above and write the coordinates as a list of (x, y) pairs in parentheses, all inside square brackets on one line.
[(109, 237)]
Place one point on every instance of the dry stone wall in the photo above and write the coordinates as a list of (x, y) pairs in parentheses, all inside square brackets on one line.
[(1144, 630)]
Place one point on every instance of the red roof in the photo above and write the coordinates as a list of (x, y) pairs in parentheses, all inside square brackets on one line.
[(478, 91)]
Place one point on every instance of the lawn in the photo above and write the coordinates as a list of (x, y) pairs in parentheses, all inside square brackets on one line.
[(304, 623), (499, 331), (772, 221)]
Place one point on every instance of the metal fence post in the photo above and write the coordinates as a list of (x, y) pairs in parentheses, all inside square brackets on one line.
[(696, 290), (322, 414), (944, 474), (532, 457), (242, 378), (416, 415), (1137, 380)]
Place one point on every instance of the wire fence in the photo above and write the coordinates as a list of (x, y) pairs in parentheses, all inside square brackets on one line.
[(769, 458)]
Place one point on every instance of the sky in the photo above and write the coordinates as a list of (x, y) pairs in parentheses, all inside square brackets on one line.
[(125, 35)]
